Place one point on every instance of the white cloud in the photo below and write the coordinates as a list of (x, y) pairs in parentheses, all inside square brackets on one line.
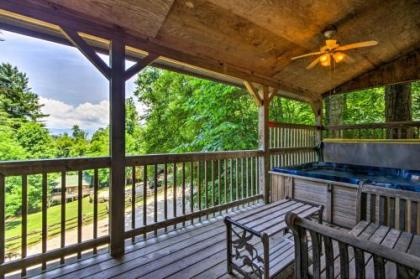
[(86, 115)]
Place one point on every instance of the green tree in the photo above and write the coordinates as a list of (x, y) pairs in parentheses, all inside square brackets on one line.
[(99, 144), (80, 142), (189, 114), (36, 140), (291, 111), (10, 148), (64, 144), (17, 99), (78, 133)]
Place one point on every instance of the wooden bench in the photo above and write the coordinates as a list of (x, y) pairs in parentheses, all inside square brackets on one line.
[(334, 253), (258, 244), (384, 243), (395, 208)]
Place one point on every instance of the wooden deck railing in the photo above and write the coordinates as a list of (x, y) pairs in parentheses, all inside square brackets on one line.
[(390, 130), (162, 191), (34, 179), (292, 144), (192, 186), (168, 189)]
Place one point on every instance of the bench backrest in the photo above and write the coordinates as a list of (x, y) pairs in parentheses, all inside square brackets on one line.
[(344, 254), (395, 208)]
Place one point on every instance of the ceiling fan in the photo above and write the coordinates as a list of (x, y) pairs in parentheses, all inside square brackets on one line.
[(333, 52)]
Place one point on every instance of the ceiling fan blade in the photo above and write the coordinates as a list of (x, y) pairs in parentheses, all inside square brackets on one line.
[(357, 45), (306, 55), (313, 64)]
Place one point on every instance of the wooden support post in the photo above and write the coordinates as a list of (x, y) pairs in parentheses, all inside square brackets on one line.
[(263, 144), (117, 76), (317, 109), (117, 146)]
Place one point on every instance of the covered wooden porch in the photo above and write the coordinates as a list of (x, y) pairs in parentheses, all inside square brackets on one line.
[(177, 231)]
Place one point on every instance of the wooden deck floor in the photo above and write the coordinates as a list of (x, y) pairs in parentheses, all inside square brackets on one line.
[(196, 251)]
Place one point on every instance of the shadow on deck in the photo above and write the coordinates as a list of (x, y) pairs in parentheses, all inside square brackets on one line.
[(194, 251)]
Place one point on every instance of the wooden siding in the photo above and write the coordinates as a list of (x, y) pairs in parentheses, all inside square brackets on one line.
[(338, 199)]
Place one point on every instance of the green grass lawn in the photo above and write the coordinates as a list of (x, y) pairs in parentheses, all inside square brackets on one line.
[(34, 227)]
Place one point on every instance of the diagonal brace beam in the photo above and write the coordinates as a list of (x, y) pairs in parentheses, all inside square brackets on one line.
[(251, 89), (140, 65), (87, 51), (272, 93)]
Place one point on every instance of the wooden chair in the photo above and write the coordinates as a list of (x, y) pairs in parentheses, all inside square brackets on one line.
[(394, 208), (335, 253)]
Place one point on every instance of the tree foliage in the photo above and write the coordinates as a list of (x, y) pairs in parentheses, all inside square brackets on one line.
[(188, 114), (16, 98)]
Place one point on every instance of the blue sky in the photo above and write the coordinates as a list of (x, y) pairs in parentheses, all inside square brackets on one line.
[(72, 90)]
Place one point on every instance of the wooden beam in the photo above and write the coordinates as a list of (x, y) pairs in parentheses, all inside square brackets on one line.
[(87, 51), (140, 65), (272, 93), (58, 15), (403, 69), (117, 147), (251, 89), (263, 144), (317, 110)]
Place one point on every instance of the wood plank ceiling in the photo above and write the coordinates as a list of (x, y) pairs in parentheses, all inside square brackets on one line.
[(260, 37)]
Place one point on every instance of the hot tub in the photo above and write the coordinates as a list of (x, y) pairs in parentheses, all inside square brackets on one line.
[(335, 186), (356, 174)]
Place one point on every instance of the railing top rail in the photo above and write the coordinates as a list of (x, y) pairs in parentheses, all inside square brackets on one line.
[(400, 124), (10, 168), (189, 157), (274, 124), (285, 150)]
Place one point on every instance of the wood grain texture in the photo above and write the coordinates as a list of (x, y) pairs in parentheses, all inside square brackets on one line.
[(252, 40)]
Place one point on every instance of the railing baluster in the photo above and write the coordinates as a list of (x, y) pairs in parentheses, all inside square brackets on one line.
[(145, 198), (44, 216), (243, 194), (247, 176), (231, 181), (63, 213), (213, 191), (133, 200), (254, 175), (226, 182), (155, 201), (175, 204), (236, 180), (219, 175), (79, 209), (192, 190), (2, 219), (165, 193), (206, 182), (24, 214), (183, 190), (199, 186), (95, 204)]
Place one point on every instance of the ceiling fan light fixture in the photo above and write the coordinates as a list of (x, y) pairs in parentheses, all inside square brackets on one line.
[(325, 60), (339, 57)]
